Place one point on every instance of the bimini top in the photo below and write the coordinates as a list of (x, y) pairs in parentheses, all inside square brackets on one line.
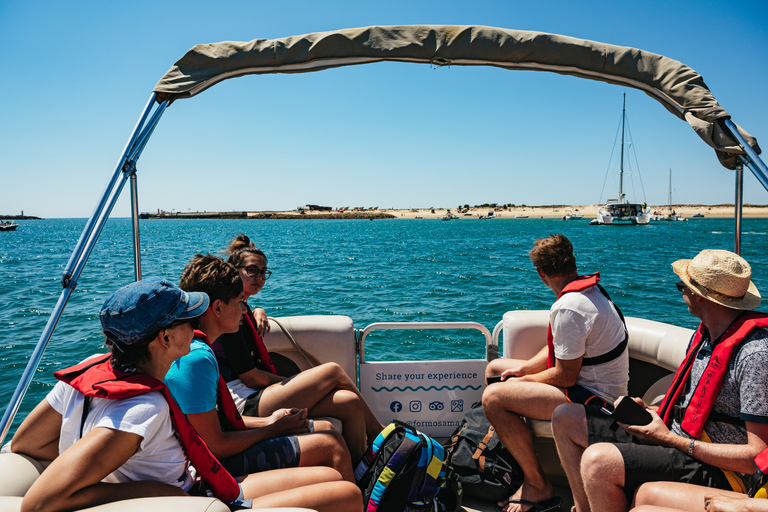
[(679, 88)]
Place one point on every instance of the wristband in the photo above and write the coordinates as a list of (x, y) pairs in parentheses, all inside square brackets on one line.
[(690, 447)]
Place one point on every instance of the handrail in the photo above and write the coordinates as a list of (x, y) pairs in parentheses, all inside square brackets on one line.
[(362, 333), (496, 333), (82, 251), (754, 162)]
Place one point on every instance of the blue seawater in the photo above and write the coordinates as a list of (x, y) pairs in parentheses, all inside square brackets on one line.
[(373, 271)]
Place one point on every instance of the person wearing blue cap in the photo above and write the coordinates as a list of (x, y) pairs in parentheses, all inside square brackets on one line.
[(114, 432)]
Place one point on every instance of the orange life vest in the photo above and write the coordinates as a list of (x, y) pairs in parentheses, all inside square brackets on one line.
[(97, 378), (709, 384), (249, 330)]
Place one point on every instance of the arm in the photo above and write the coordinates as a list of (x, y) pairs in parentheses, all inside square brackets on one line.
[(225, 444), (262, 323), (38, 435), (73, 480), (736, 457), (563, 375), (259, 379)]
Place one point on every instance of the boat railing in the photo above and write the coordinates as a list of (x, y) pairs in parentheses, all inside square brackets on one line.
[(491, 343)]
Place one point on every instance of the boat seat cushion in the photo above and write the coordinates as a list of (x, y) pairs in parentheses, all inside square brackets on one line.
[(325, 338)]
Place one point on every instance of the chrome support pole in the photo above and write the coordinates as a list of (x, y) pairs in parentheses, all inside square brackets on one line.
[(83, 249), (738, 206), (753, 161), (135, 218)]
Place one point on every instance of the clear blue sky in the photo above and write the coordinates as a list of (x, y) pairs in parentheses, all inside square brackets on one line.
[(75, 76)]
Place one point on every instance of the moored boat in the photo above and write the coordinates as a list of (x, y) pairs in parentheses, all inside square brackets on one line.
[(334, 337), (620, 211), (8, 226)]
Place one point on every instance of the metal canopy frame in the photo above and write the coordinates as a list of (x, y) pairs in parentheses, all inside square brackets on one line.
[(126, 170)]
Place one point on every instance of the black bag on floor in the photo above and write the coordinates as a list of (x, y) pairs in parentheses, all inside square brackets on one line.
[(485, 468)]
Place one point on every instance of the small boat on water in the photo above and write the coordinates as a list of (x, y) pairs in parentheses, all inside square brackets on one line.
[(655, 348), (8, 226), (671, 215), (620, 211), (573, 216), (697, 215)]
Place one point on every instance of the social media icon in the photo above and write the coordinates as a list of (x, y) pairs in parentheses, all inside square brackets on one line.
[(436, 406), (415, 406), (396, 406), (457, 405)]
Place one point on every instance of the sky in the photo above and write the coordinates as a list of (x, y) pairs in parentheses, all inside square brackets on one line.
[(76, 76)]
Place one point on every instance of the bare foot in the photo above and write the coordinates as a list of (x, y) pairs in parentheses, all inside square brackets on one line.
[(530, 493)]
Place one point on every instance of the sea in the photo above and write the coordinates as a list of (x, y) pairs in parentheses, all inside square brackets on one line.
[(385, 270)]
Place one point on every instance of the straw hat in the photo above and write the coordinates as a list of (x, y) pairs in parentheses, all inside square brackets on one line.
[(720, 276)]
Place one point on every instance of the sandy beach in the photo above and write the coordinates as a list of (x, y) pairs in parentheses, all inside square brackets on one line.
[(555, 212)]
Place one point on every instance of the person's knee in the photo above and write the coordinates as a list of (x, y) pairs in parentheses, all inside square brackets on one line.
[(599, 462), (491, 400), (495, 367), (566, 420)]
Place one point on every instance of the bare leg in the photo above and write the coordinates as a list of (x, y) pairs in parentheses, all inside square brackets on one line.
[(318, 488), (569, 426), (680, 497), (308, 388), (497, 366), (503, 404), (326, 449), (602, 470), (345, 406)]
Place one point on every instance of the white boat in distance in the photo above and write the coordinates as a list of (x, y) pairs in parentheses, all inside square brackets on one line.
[(334, 338), (569, 215), (620, 211), (671, 215)]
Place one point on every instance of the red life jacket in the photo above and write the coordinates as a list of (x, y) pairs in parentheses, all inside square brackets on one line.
[(227, 409), (577, 285), (708, 386), (249, 330), (97, 378)]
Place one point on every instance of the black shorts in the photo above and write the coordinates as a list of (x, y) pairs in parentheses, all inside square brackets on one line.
[(252, 404), (650, 463), (580, 395)]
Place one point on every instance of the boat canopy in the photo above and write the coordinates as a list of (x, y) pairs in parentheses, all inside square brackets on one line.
[(679, 88)]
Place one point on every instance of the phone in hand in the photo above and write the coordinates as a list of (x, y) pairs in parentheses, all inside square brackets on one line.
[(493, 379), (629, 412)]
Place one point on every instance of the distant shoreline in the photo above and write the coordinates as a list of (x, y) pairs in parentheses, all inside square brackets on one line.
[(519, 212)]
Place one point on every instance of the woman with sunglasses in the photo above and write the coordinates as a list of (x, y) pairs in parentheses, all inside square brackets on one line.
[(258, 390)]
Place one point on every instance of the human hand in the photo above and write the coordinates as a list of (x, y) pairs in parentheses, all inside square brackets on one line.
[(290, 421), (730, 504), (656, 432), (262, 323), (513, 372)]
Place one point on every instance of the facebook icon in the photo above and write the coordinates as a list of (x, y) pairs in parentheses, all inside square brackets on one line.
[(396, 406)]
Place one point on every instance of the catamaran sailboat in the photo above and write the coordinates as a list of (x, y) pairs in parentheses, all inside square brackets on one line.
[(655, 348), (620, 211), (671, 215)]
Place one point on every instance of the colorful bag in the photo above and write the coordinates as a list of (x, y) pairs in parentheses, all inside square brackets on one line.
[(484, 467), (403, 470)]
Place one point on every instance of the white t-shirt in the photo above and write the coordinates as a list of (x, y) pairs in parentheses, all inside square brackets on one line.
[(159, 457), (586, 324)]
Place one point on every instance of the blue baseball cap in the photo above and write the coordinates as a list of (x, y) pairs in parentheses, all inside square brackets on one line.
[(145, 307)]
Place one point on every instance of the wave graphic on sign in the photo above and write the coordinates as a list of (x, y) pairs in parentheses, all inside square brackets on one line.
[(409, 388)]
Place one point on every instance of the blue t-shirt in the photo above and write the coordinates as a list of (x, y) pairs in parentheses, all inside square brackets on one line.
[(193, 379)]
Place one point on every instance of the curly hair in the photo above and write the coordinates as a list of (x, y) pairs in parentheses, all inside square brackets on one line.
[(240, 247), (212, 275), (553, 256)]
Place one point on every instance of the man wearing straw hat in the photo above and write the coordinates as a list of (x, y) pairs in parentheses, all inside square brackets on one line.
[(713, 420)]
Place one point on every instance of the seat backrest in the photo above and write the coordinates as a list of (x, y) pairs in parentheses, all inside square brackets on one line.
[(327, 338), (664, 345)]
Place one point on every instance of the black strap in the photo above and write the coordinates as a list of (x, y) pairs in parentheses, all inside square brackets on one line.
[(615, 351), (86, 408)]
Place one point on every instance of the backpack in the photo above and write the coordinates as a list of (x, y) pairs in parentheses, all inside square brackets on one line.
[(403, 471), (484, 467)]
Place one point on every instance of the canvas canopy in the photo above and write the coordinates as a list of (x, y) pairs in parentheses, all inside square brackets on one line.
[(679, 88)]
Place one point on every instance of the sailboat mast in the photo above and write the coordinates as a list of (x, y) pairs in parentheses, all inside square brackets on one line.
[(621, 161), (669, 196)]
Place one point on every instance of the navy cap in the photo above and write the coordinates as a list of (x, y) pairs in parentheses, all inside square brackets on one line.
[(145, 307)]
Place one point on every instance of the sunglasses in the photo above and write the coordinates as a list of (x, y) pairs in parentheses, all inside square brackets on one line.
[(681, 286), (254, 271)]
